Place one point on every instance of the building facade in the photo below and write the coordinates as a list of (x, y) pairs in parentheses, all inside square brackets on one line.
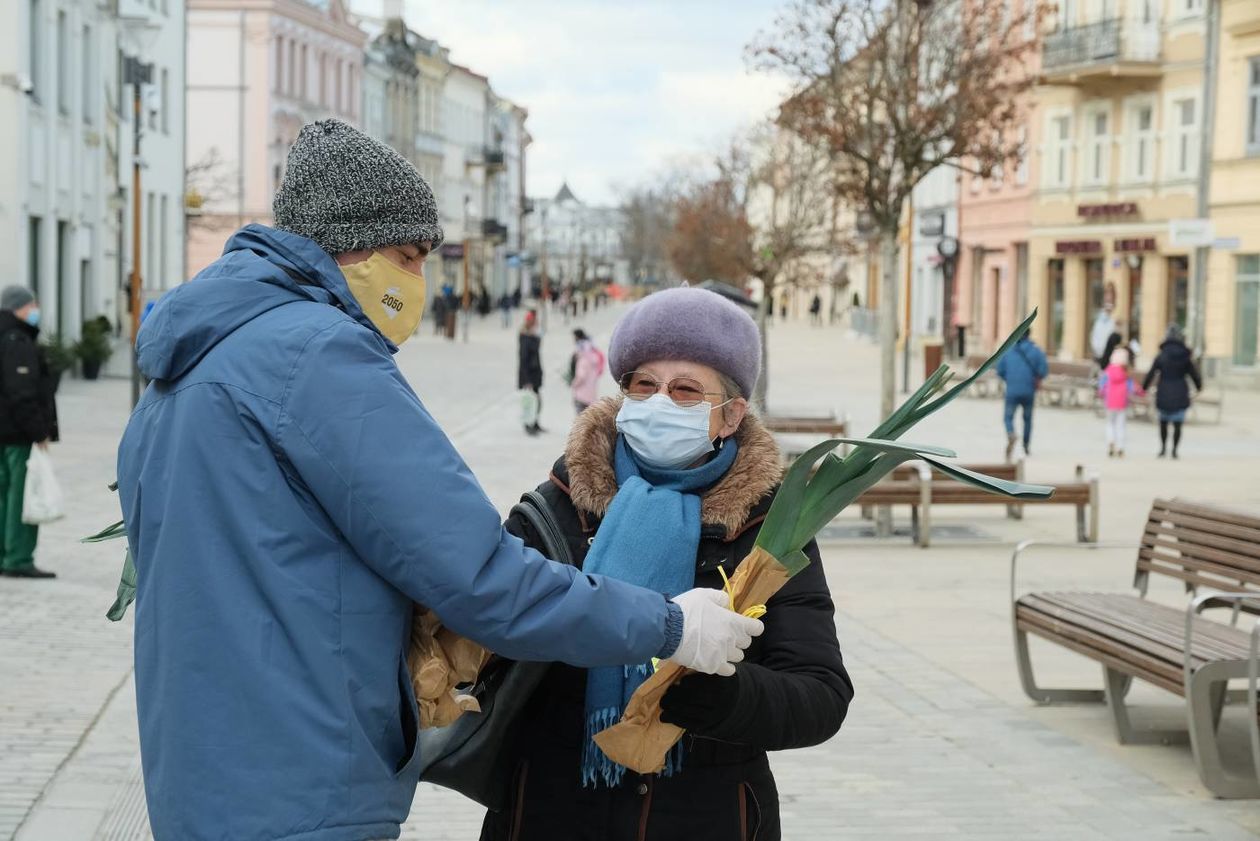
[(258, 70), (66, 134), (1233, 313), (1120, 116), (935, 221), (577, 245), (391, 89)]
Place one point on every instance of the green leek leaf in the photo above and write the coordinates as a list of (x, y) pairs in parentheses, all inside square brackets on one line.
[(1004, 487), (126, 590), (117, 530)]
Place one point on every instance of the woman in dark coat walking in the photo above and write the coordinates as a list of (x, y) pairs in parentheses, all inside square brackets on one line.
[(791, 691), (1173, 366), (529, 373)]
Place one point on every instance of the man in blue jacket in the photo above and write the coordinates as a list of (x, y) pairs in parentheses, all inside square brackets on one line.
[(288, 498), (1023, 367)]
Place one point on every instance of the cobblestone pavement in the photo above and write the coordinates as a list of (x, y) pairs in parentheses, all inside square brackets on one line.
[(940, 742)]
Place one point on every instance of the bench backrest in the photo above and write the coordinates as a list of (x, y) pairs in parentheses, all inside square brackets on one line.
[(1202, 545), (1064, 368), (1010, 471)]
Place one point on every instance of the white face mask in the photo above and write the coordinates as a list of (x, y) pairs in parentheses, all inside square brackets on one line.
[(663, 434)]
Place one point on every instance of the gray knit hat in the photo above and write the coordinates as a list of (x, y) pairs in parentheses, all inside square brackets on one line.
[(690, 324), (348, 192), (13, 298)]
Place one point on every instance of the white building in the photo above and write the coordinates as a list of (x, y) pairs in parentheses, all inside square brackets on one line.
[(935, 220), (65, 154), (461, 195), (579, 244), (391, 88)]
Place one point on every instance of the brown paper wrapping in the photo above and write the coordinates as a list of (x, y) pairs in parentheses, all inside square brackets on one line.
[(641, 741), (440, 660)]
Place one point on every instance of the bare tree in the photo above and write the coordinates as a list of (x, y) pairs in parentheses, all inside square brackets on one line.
[(208, 181), (892, 89), (711, 237), (647, 219)]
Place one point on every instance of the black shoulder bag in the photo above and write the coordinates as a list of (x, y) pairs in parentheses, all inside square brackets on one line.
[(473, 756)]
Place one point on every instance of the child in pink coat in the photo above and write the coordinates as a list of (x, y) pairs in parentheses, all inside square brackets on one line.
[(1116, 387)]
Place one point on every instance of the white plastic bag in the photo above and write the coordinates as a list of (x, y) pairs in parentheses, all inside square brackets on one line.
[(529, 407), (42, 501)]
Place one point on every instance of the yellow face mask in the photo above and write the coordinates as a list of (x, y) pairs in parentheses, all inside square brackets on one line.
[(389, 294)]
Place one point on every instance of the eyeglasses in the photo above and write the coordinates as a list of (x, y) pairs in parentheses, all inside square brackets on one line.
[(684, 391)]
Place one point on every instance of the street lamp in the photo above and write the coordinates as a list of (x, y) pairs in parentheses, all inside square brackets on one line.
[(137, 74)]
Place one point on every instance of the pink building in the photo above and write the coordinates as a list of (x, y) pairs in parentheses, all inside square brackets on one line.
[(995, 224), (258, 70)]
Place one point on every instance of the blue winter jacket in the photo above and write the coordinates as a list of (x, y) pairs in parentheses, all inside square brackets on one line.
[(1022, 367), (287, 499)]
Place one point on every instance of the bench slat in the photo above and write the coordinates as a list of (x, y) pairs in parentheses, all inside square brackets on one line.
[(1247, 553)]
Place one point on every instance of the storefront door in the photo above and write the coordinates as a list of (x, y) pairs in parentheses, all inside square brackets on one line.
[(1178, 290), (1247, 310), (1054, 307)]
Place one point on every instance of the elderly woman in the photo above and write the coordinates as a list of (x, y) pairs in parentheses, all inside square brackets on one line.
[(664, 487)]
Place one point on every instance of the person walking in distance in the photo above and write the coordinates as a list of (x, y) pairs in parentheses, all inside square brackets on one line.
[(815, 311), (586, 366), (529, 373), (28, 417), (1116, 388), (1022, 368), (1172, 367), (288, 501)]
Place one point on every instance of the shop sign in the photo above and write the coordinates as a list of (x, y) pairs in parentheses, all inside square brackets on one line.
[(1132, 246), (1191, 233), (1078, 246), (453, 251), (933, 225), (1090, 211)]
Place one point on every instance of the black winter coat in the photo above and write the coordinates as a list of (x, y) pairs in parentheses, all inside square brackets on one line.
[(28, 408), (791, 691), (529, 364), (1173, 365)]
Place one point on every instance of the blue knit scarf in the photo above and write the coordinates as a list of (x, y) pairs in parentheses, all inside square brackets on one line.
[(649, 537)]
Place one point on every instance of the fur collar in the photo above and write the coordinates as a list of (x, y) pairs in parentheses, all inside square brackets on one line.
[(592, 482)]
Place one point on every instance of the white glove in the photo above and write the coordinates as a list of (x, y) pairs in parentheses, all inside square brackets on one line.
[(714, 636)]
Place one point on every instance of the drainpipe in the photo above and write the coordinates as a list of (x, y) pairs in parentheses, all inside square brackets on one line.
[(1202, 253)]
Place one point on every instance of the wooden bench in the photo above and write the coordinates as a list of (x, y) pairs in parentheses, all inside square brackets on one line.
[(1173, 648), (990, 383), (921, 488), (1065, 380), (807, 431)]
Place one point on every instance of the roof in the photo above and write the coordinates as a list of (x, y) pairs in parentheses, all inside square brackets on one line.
[(566, 194)]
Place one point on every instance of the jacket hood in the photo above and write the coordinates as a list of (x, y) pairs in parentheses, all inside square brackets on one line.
[(592, 480), (1175, 347), (261, 268)]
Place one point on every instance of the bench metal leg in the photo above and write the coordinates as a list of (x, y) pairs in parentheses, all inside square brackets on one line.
[(1117, 685), (1037, 693), (1203, 700), (925, 512)]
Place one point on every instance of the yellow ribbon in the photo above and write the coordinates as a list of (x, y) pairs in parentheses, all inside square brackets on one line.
[(755, 612)]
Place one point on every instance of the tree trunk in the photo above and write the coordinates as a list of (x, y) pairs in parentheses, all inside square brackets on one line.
[(762, 388), (888, 323), (887, 350)]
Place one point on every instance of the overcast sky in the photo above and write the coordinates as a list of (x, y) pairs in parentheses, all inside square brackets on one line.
[(615, 90)]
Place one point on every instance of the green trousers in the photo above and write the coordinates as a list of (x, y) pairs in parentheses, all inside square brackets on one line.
[(16, 538)]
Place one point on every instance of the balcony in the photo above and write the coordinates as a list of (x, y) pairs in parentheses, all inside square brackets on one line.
[(1109, 49), (493, 230), (494, 160)]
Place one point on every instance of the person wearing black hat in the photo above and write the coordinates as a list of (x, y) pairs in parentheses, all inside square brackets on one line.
[(28, 417)]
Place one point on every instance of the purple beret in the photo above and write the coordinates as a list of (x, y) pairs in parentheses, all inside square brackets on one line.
[(692, 325)]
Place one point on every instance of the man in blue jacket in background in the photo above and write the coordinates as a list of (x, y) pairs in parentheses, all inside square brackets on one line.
[(1022, 368), (288, 498)]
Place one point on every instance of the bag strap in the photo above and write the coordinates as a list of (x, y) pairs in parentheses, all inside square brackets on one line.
[(536, 511)]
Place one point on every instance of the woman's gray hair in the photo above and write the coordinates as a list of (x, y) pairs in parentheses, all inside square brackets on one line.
[(732, 390)]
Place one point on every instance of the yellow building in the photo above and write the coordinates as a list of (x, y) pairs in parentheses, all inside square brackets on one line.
[(1233, 288), (1120, 121)]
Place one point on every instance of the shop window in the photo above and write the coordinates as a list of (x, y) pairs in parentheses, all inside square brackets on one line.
[(1178, 290), (1055, 306), (1095, 295), (1247, 310), (1135, 299)]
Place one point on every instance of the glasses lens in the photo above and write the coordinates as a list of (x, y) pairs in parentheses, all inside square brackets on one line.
[(638, 385), (686, 392)]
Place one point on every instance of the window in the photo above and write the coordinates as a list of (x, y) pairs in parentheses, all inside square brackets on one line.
[(160, 275), (1135, 300), (166, 101), (1098, 148), (323, 79), (87, 69), (150, 233), (34, 241), (1095, 294), (1247, 310), (1253, 106), (63, 65), (1141, 136), (1067, 14), (34, 53), (1187, 8), (1183, 138), (304, 92), (1058, 160), (998, 175), (278, 83), (290, 81)]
